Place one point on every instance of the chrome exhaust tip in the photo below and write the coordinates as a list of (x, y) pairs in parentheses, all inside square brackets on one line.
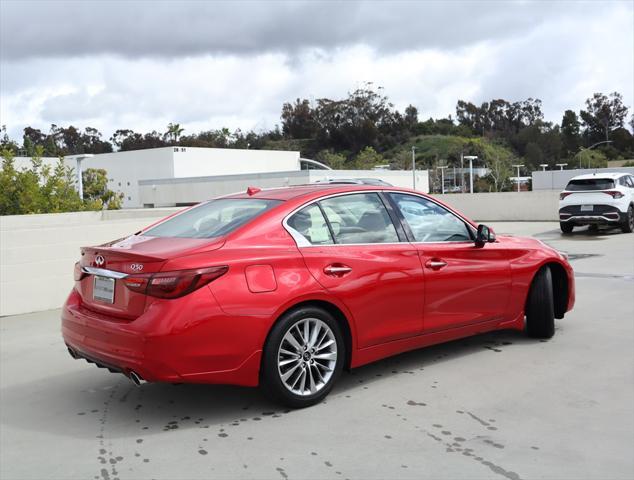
[(136, 379)]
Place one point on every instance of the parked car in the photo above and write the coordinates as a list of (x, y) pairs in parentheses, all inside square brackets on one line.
[(286, 287), (598, 199)]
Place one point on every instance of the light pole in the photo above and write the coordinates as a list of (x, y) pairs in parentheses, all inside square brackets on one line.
[(80, 180), (442, 177), (471, 158), (413, 167), (581, 149), (543, 165), (518, 176), (561, 165)]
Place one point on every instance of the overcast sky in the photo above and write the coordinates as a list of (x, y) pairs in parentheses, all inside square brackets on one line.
[(141, 65)]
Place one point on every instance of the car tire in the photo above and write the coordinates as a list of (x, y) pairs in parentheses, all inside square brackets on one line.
[(540, 307), (628, 225), (288, 357), (566, 227)]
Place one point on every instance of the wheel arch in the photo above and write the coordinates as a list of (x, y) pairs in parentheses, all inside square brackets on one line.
[(339, 316), (560, 287)]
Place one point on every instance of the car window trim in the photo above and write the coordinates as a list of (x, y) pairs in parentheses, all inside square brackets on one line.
[(302, 242)]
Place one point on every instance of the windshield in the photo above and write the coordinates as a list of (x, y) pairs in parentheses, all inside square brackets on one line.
[(212, 219), (590, 184)]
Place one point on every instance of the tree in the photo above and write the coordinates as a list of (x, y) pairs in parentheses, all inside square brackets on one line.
[(95, 183), (173, 133), (298, 120), (336, 161), (500, 169), (367, 159), (602, 115), (570, 130)]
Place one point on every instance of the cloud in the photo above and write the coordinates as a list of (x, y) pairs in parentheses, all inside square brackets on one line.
[(210, 65), (191, 28)]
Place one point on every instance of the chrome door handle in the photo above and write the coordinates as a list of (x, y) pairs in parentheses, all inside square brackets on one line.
[(436, 264), (337, 270)]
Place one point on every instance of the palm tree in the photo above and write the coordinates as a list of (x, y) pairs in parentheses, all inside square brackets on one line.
[(174, 131)]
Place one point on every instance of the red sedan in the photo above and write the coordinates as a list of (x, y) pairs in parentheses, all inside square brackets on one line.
[(287, 287)]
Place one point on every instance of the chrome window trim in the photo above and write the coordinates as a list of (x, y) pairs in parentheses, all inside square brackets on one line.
[(102, 272), (302, 242)]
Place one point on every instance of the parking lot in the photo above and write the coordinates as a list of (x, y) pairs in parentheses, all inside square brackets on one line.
[(494, 406)]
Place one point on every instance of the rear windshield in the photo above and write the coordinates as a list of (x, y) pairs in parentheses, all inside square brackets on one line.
[(590, 184), (213, 219)]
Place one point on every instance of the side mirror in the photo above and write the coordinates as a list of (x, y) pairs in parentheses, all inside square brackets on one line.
[(485, 235)]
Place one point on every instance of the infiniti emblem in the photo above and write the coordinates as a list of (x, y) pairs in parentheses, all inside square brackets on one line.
[(100, 261)]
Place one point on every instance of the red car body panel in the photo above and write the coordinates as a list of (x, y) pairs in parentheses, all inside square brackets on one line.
[(390, 302)]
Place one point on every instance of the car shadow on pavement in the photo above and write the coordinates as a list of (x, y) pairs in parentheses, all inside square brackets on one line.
[(66, 402)]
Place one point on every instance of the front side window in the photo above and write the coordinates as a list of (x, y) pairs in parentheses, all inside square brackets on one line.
[(311, 224), (359, 218), (428, 221), (212, 219)]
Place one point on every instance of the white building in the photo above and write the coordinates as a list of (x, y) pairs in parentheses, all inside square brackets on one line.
[(171, 176)]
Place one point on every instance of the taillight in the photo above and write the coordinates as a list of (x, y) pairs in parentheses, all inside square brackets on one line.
[(614, 193), (563, 195), (78, 272), (173, 284)]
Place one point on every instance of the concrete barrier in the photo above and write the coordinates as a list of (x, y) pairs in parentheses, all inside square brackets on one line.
[(37, 252), (506, 206)]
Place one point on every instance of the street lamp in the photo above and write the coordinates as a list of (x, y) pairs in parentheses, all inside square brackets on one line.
[(518, 176), (543, 165), (80, 180), (413, 167), (561, 165), (581, 149), (442, 176), (471, 158)]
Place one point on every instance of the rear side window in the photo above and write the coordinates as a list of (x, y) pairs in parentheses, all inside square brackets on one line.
[(359, 218), (311, 224), (212, 219), (590, 184)]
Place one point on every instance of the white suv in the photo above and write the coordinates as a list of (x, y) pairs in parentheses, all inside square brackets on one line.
[(594, 199)]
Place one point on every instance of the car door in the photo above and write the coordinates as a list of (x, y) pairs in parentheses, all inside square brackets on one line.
[(353, 248), (464, 284)]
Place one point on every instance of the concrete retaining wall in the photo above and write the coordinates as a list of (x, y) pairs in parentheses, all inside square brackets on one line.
[(506, 206), (37, 252), (558, 179)]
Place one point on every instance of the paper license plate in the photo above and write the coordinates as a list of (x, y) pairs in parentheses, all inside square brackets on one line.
[(103, 289), (587, 208)]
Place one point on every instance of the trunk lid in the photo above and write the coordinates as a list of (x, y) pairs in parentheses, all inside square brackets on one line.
[(132, 255)]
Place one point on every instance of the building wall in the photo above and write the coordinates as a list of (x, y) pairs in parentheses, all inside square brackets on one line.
[(558, 179), (200, 162), (398, 178)]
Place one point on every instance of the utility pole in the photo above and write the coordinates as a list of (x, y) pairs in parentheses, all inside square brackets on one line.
[(518, 176), (442, 177), (80, 180), (461, 172), (413, 167), (471, 158)]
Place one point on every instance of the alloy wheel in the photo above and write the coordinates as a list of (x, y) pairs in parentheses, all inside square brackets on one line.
[(307, 356)]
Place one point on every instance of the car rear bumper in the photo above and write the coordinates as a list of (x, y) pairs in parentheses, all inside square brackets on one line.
[(165, 344), (601, 214)]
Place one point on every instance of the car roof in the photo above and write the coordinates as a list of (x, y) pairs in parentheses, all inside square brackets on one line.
[(313, 190), (610, 175)]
